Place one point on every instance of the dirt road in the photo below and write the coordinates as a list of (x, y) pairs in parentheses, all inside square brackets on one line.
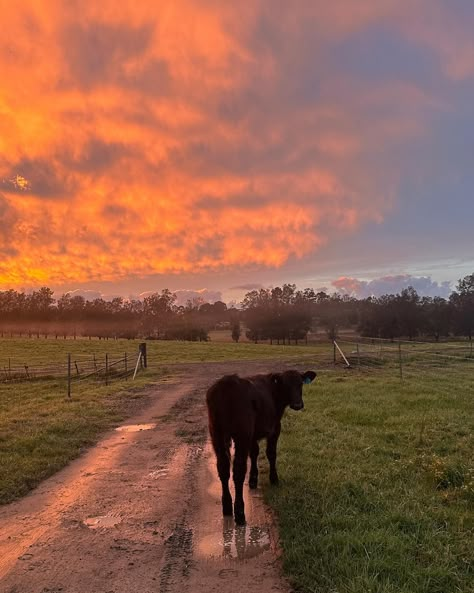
[(140, 512)]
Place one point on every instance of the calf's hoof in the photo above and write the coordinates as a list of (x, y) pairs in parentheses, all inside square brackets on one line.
[(253, 482), (239, 518)]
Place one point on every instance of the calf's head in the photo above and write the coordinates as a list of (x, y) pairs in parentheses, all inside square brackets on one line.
[(289, 387)]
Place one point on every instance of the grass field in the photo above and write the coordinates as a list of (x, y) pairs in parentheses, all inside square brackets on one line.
[(377, 483), (377, 474), (40, 430), (33, 351)]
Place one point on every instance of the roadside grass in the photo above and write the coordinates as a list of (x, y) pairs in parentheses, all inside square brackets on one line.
[(41, 430), (377, 484)]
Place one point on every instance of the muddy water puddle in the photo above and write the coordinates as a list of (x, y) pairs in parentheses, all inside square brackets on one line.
[(235, 542), (158, 473), (103, 521), (135, 427)]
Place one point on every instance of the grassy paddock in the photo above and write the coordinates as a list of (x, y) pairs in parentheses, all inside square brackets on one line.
[(33, 351), (40, 430), (377, 489)]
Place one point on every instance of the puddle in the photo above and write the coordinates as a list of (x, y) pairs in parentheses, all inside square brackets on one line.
[(103, 521), (239, 542), (135, 427), (158, 473)]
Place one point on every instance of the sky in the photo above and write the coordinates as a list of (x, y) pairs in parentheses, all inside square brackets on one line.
[(213, 147)]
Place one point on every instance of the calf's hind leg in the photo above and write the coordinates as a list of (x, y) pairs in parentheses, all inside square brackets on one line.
[(271, 455), (239, 470), (253, 478), (223, 469)]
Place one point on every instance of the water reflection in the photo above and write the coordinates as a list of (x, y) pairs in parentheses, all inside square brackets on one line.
[(102, 521), (237, 541), (135, 427)]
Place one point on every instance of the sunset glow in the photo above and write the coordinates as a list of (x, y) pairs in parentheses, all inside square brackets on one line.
[(188, 138)]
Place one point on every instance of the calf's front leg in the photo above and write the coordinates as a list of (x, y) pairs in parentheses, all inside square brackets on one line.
[(272, 441)]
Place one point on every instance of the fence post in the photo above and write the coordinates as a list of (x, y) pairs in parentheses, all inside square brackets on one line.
[(400, 358), (142, 349), (342, 354), (106, 369), (136, 366), (69, 376)]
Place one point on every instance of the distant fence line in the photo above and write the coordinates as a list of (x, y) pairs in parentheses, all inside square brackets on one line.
[(61, 335), (79, 368), (402, 356)]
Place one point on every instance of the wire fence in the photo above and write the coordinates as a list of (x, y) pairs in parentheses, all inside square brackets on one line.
[(77, 369), (405, 359)]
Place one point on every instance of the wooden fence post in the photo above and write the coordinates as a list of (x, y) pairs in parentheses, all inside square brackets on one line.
[(342, 354), (137, 365), (142, 349), (69, 376), (400, 358)]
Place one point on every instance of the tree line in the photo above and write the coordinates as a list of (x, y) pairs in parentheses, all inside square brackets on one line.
[(283, 314)]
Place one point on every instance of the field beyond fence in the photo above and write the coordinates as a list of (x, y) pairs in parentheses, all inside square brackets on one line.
[(77, 368), (377, 474), (405, 359)]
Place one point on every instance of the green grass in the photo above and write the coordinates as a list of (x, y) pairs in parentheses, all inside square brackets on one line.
[(33, 351), (41, 431), (377, 484)]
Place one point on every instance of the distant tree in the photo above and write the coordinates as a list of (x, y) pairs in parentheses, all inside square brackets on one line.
[(437, 316), (158, 311), (409, 313), (463, 306), (236, 331)]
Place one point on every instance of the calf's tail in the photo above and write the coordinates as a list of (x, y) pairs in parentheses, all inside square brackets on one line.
[(219, 408)]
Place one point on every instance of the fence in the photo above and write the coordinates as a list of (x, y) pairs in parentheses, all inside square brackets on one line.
[(80, 368), (404, 358)]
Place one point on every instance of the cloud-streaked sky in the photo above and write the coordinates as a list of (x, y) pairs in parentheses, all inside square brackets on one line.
[(207, 144)]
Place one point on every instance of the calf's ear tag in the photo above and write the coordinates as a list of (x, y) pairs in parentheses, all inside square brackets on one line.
[(307, 381)]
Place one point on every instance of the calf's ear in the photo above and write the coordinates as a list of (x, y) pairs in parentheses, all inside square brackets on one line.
[(308, 377)]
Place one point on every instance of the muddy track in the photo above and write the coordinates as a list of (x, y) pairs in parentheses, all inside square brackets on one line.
[(141, 510)]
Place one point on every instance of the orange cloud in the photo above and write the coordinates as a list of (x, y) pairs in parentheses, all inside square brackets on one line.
[(183, 137)]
